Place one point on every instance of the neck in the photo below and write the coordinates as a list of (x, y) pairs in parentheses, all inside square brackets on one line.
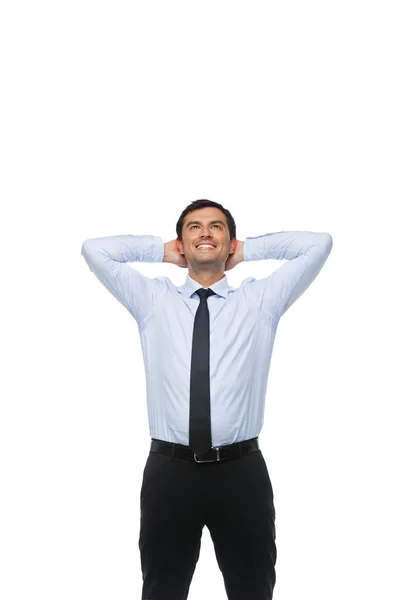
[(206, 279)]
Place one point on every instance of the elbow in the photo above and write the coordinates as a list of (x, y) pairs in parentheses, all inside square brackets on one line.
[(327, 244), (84, 248), (329, 241)]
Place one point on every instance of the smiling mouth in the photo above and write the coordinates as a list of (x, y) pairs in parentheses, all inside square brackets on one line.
[(205, 247)]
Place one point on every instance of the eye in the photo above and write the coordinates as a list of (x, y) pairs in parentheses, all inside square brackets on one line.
[(215, 225)]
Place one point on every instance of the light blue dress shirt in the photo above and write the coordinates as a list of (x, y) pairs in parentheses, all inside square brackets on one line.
[(243, 325)]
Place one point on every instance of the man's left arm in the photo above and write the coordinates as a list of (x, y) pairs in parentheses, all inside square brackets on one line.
[(305, 252)]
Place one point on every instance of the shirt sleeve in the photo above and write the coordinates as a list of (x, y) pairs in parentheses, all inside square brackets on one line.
[(107, 258), (305, 252)]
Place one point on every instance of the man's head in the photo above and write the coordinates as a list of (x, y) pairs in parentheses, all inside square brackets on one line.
[(206, 221)]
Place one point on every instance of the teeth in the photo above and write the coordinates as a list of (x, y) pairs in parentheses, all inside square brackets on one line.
[(205, 246)]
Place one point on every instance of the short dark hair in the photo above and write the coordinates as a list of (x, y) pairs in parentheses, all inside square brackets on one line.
[(195, 205)]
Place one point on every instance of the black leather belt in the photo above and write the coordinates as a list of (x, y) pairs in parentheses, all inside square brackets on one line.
[(211, 455)]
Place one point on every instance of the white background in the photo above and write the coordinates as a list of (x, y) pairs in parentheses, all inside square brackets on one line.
[(114, 117)]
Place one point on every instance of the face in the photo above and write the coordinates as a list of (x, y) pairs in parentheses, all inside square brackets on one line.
[(204, 225)]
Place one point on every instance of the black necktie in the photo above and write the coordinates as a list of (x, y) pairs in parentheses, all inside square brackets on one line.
[(200, 421)]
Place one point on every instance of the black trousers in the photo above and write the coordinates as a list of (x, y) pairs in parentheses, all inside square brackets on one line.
[(233, 498)]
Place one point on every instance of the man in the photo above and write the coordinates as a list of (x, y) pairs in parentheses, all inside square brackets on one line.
[(206, 363)]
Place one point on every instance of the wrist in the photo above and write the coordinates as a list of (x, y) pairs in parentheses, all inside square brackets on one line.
[(165, 256)]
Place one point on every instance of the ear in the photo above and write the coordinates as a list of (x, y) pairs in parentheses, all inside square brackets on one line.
[(179, 245), (233, 245)]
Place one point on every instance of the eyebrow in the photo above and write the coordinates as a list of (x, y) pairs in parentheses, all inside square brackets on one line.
[(211, 223)]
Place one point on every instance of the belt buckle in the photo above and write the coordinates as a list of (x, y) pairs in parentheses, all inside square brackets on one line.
[(205, 461)]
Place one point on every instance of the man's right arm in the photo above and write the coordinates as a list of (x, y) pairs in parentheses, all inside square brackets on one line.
[(107, 258)]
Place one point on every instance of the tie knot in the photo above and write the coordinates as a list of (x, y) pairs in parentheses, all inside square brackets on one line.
[(203, 293)]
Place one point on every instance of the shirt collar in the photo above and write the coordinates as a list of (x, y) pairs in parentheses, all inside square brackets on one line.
[(221, 287)]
